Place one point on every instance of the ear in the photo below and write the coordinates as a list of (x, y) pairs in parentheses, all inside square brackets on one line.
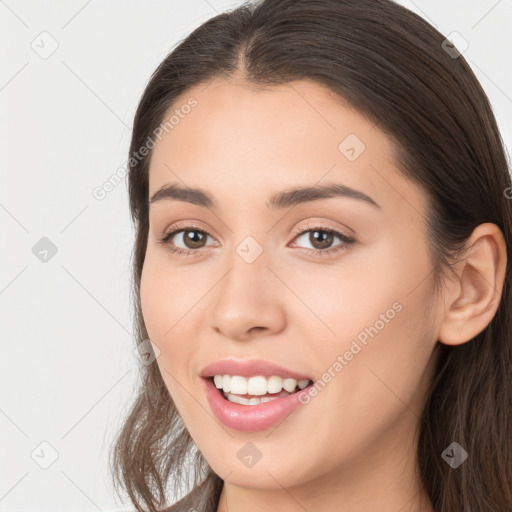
[(472, 299)]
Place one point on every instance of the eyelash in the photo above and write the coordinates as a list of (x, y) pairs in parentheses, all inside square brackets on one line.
[(347, 240)]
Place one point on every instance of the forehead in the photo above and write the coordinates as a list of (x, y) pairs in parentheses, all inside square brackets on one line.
[(298, 118), (243, 139)]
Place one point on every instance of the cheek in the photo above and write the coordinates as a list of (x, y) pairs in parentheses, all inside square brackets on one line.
[(373, 314), (391, 373), (346, 298), (151, 300), (171, 308), (167, 297)]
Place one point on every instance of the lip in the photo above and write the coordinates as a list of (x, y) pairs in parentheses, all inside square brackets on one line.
[(250, 418), (250, 368)]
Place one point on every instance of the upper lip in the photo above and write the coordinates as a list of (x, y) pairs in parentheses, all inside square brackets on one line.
[(250, 368)]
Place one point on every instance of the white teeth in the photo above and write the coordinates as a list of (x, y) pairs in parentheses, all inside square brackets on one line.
[(303, 383), (240, 385), (226, 383), (257, 385), (249, 401), (274, 384), (289, 385)]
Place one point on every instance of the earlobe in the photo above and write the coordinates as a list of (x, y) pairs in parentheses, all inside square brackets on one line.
[(476, 293)]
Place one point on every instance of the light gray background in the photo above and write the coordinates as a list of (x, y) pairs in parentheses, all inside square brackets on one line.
[(67, 370)]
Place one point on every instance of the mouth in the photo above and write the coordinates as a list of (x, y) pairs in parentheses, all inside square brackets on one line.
[(262, 389), (255, 407)]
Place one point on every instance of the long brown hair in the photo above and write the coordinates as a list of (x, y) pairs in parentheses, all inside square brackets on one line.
[(392, 67)]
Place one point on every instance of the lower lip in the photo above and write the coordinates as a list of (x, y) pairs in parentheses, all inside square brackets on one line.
[(250, 418)]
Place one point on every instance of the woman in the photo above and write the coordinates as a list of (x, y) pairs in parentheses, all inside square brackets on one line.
[(321, 199)]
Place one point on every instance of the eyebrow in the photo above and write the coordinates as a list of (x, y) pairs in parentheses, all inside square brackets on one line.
[(279, 200)]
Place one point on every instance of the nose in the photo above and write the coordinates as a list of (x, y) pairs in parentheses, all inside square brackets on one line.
[(248, 301)]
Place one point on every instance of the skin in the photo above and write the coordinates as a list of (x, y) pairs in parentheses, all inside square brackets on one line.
[(352, 447)]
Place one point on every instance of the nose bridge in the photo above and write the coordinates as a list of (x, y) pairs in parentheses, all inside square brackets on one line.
[(249, 246), (248, 274)]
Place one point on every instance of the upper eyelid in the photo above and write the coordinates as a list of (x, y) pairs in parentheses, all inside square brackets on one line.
[(186, 226), (320, 227), (319, 222), (298, 231)]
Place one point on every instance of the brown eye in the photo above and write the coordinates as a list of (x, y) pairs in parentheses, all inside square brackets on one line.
[(183, 239), (320, 239), (194, 239)]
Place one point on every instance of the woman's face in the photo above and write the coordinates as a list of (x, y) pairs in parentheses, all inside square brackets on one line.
[(349, 312)]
